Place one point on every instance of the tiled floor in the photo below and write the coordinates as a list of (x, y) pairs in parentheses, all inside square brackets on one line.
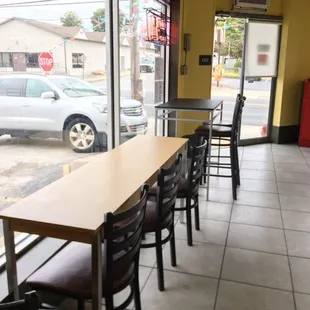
[(251, 254)]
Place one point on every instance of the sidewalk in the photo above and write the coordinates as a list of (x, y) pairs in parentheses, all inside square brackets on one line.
[(97, 78), (227, 91)]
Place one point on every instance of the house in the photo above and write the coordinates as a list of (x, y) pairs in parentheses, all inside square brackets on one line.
[(75, 51)]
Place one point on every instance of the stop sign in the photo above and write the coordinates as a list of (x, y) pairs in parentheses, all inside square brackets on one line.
[(46, 61)]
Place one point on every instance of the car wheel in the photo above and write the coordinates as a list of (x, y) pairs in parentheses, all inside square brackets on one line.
[(81, 135)]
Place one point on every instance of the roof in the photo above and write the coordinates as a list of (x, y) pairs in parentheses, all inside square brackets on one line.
[(64, 32), (69, 32)]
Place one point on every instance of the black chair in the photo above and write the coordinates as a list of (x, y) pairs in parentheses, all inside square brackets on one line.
[(230, 135), (160, 215), (31, 302), (189, 186), (69, 272)]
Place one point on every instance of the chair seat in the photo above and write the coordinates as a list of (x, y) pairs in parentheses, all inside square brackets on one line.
[(184, 190), (151, 218), (220, 123), (69, 273), (217, 131)]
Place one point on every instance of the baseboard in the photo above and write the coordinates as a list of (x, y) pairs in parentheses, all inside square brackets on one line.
[(285, 134)]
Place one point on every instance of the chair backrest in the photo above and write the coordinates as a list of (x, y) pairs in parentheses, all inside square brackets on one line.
[(122, 237), (193, 140), (31, 302), (197, 162), (236, 125), (167, 190)]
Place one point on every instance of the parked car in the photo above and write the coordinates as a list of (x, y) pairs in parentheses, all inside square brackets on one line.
[(63, 107), (253, 79)]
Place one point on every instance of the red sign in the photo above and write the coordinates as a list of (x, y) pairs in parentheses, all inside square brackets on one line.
[(46, 61)]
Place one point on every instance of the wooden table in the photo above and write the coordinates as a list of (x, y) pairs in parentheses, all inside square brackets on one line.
[(73, 207), (191, 105)]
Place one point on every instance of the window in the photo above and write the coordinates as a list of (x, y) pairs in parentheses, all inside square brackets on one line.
[(12, 87), (32, 60), (35, 88), (77, 60), (6, 60)]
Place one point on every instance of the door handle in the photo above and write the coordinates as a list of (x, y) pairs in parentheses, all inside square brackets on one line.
[(26, 105)]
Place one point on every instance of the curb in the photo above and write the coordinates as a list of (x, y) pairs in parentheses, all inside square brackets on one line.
[(78, 163)]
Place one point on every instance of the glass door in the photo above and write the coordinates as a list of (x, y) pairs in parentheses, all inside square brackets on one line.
[(258, 79), (245, 61)]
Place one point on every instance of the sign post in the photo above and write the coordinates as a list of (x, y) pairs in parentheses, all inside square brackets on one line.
[(46, 61)]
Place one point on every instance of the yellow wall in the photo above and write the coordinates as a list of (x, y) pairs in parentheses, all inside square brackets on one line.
[(294, 66), (197, 18)]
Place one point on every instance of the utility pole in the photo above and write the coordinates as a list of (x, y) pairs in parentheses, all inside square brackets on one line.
[(136, 82), (219, 51)]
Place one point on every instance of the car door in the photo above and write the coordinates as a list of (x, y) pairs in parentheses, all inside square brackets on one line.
[(40, 115), (11, 100)]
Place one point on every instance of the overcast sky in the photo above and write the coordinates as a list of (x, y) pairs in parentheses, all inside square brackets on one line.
[(52, 13)]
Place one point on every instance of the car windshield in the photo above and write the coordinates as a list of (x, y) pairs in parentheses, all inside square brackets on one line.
[(73, 87)]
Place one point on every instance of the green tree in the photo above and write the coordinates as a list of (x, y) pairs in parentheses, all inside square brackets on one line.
[(98, 20), (234, 37), (70, 19)]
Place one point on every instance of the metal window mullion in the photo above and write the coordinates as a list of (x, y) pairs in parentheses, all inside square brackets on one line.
[(113, 73)]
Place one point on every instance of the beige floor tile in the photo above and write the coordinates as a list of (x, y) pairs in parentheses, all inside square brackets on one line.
[(257, 216), (201, 259), (293, 189), (214, 210), (236, 296), (296, 220), (295, 168), (302, 178), (220, 195), (224, 183), (214, 232), (291, 159), (295, 203), (298, 243), (287, 152), (302, 301), (265, 157), (252, 267), (257, 175), (257, 165), (300, 268), (147, 255), (259, 186), (182, 292), (257, 238), (257, 199)]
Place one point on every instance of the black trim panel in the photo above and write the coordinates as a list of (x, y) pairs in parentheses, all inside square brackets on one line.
[(285, 134)]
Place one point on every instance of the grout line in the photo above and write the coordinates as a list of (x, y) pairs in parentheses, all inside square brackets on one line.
[(288, 259), (225, 246)]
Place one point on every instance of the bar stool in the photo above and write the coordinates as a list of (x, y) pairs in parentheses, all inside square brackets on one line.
[(69, 272), (159, 216), (230, 134), (31, 302)]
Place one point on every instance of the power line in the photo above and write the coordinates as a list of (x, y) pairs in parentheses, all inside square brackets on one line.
[(27, 2)]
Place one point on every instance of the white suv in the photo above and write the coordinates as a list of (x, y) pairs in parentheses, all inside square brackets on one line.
[(63, 107)]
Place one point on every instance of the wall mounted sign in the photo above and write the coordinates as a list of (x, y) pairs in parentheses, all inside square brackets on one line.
[(205, 60)]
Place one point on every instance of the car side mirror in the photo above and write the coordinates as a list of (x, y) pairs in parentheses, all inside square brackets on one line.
[(48, 95)]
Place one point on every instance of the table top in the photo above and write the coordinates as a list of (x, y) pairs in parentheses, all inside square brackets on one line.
[(190, 104), (79, 200)]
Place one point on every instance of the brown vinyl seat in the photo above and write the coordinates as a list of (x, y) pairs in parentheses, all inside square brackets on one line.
[(159, 215), (69, 272), (184, 188), (217, 131), (220, 123), (31, 302)]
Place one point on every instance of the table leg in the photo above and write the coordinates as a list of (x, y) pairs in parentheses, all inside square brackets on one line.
[(184, 174), (156, 117), (97, 271), (209, 154), (176, 124), (11, 268)]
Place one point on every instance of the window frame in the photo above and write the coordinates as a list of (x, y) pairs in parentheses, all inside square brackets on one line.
[(35, 64), (76, 64), (6, 65)]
